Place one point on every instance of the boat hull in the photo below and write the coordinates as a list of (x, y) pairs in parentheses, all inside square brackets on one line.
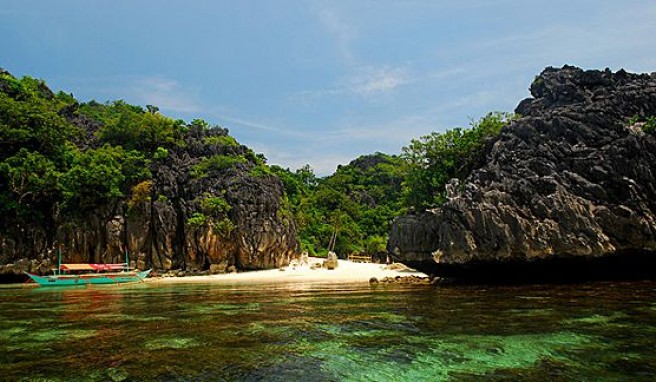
[(87, 279)]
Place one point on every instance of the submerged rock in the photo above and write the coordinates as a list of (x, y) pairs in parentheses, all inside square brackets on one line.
[(571, 179), (406, 280)]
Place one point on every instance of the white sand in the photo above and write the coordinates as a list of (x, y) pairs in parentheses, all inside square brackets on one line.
[(346, 271)]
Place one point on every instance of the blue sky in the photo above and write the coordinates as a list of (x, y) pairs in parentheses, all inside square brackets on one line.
[(320, 82)]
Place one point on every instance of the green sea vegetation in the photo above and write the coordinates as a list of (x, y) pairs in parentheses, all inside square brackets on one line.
[(445, 357), (171, 343), (224, 308), (27, 337)]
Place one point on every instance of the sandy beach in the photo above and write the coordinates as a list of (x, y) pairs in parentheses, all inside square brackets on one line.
[(346, 272)]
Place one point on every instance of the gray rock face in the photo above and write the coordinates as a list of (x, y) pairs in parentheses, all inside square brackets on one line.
[(570, 179)]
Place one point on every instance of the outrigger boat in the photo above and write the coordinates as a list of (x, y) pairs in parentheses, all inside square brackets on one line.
[(82, 274)]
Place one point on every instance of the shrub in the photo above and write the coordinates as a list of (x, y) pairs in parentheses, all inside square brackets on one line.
[(214, 163), (140, 193), (650, 125), (221, 140), (197, 219)]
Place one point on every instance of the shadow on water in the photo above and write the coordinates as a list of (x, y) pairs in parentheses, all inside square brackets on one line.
[(633, 266), (12, 278)]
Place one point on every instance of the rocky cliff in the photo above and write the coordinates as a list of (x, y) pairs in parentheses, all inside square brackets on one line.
[(208, 204), (573, 179)]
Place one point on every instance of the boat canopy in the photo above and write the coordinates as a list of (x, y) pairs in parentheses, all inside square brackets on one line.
[(93, 267)]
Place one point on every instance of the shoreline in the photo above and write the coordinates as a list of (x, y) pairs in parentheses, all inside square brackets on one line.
[(345, 272)]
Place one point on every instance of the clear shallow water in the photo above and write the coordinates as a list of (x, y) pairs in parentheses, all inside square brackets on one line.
[(600, 331)]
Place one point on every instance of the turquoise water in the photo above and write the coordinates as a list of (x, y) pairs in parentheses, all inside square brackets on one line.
[(318, 332)]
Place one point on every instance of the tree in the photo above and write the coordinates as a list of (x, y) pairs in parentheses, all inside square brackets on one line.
[(437, 158), (100, 175), (30, 185)]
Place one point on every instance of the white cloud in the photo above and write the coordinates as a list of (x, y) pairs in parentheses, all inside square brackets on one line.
[(343, 33), (373, 81), (366, 82)]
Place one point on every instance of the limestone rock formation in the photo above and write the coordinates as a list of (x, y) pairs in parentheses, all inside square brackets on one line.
[(573, 178), (229, 214)]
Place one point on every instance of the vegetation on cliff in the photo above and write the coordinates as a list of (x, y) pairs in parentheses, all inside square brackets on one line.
[(435, 159), (84, 173)]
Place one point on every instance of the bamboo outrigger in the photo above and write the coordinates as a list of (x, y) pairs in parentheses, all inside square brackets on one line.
[(82, 274)]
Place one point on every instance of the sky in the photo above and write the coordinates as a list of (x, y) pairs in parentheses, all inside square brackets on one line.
[(319, 82)]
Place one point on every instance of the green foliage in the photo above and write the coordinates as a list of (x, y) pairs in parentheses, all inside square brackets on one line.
[(197, 219), (140, 193), (224, 226), (437, 158), (650, 125), (35, 125), (375, 244), (635, 119), (214, 212), (215, 163), (132, 127), (97, 176), (26, 88), (221, 140), (160, 153), (343, 211), (214, 205), (538, 80), (94, 178), (12, 86), (260, 170), (35, 149), (200, 124), (30, 184)]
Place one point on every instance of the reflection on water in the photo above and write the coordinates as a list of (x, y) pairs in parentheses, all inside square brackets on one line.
[(321, 332)]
